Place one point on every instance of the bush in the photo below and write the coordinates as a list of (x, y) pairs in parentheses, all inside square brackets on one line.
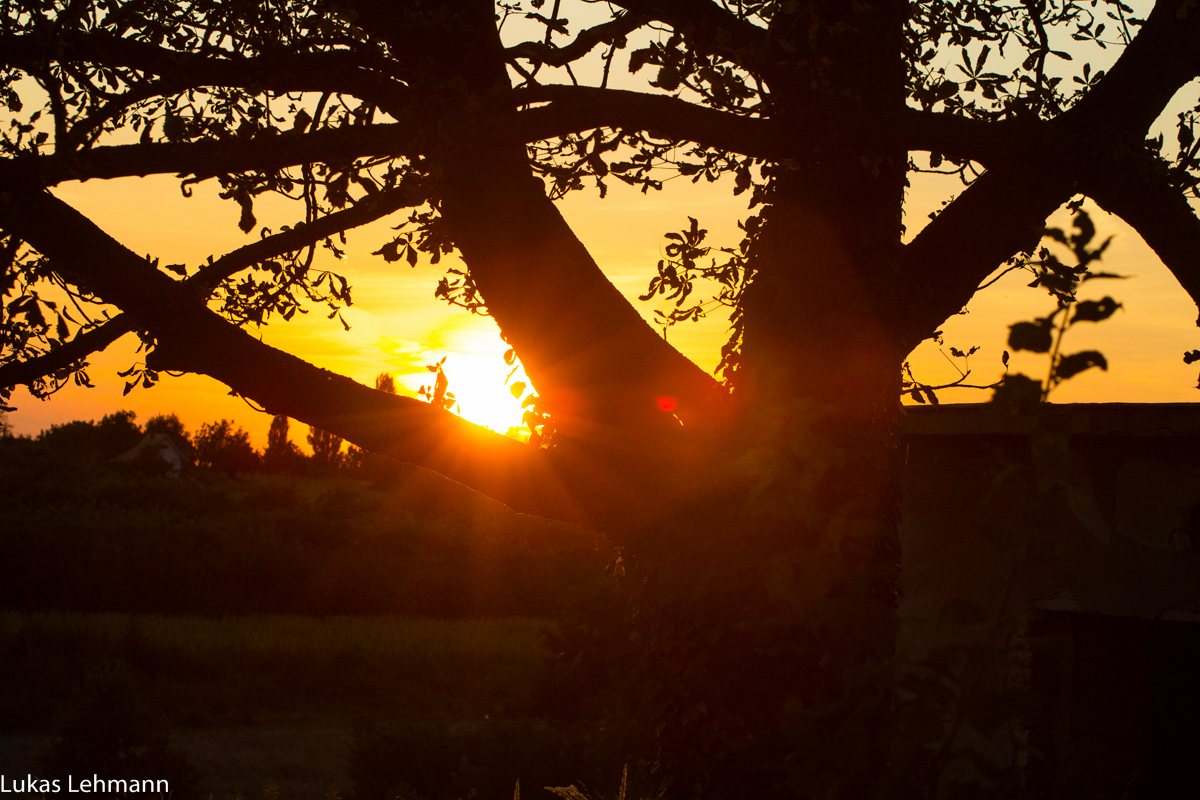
[(112, 435), (223, 449), (80, 534), (282, 455)]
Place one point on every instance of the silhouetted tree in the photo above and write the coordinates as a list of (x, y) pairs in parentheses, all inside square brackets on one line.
[(112, 435), (762, 511), (327, 449), (221, 447), (384, 382), (281, 454)]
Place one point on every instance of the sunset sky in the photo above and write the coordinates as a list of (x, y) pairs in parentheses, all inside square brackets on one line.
[(398, 326)]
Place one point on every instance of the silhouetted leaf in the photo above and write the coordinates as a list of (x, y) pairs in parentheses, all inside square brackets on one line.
[(1095, 310), (1036, 336), (668, 78), (174, 128), (1019, 391), (1069, 366), (246, 221), (390, 251), (639, 58)]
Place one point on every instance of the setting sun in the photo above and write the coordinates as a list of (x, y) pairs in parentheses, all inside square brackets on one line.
[(475, 368)]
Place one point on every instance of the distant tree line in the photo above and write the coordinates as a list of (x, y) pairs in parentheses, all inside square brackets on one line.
[(221, 446), (331, 533)]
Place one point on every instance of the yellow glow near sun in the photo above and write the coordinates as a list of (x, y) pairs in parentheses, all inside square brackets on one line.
[(475, 369)]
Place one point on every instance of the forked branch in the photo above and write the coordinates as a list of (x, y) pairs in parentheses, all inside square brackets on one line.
[(581, 45), (563, 485), (1138, 190), (208, 277)]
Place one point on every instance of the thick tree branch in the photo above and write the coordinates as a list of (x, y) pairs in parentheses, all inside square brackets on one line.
[(79, 348), (986, 143), (571, 109), (710, 29), (367, 210), (209, 158), (584, 42), (579, 108), (1163, 57), (600, 367), (333, 71), (1137, 187), (567, 109), (1002, 213), (597, 365), (998, 215), (209, 276), (564, 485)]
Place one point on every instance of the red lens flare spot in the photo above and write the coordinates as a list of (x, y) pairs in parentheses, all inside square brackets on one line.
[(666, 403)]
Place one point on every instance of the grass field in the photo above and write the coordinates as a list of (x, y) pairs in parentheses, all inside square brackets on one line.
[(79, 534), (265, 700), (279, 637)]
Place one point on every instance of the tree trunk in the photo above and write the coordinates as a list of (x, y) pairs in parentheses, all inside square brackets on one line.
[(768, 602)]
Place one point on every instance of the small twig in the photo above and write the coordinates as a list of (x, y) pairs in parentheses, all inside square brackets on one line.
[(956, 369), (1051, 377), (1043, 41), (608, 60), (1022, 265)]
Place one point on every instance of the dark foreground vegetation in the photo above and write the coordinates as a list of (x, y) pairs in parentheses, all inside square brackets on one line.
[(355, 631), (82, 532), (287, 706)]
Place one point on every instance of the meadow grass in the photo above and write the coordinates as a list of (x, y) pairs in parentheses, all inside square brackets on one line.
[(293, 636), (265, 662), (264, 697)]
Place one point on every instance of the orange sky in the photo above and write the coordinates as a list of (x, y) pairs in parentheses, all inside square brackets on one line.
[(397, 325)]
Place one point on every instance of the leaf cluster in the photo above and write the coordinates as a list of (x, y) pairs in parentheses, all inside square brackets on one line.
[(729, 273), (1062, 282), (921, 392), (96, 72), (716, 81), (40, 309), (438, 393)]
